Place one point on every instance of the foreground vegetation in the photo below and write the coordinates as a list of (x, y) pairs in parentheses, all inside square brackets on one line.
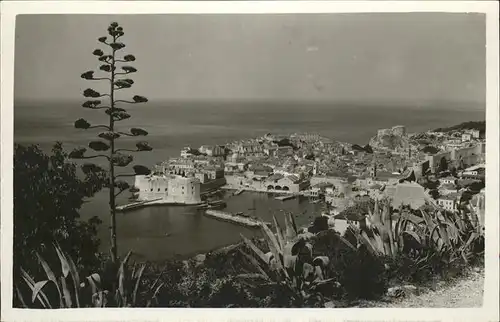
[(287, 267)]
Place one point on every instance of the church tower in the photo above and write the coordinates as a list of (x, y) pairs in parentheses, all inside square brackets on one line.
[(373, 169)]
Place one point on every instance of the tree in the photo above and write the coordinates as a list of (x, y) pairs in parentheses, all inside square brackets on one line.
[(443, 164), (47, 197), (320, 224), (118, 81)]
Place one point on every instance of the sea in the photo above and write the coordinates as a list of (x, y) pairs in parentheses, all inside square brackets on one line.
[(163, 232)]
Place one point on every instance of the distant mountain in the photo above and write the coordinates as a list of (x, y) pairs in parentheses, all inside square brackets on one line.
[(471, 125)]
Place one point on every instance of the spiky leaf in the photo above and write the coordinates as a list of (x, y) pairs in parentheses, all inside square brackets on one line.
[(89, 92), (139, 99), (105, 58), (143, 146), (122, 160), (89, 168), (117, 45), (122, 185), (105, 67), (77, 153), (82, 124), (138, 132), (64, 261), (129, 58), (123, 84), (98, 146), (141, 170), (129, 69), (119, 116), (91, 103), (37, 289), (109, 135), (88, 75)]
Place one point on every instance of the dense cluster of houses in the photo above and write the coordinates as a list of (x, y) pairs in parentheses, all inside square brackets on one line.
[(320, 168)]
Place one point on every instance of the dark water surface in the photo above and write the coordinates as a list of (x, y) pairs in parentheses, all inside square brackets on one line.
[(173, 126)]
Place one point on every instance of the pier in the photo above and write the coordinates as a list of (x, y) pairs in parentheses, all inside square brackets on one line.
[(239, 192), (135, 205), (286, 197), (160, 202), (234, 218)]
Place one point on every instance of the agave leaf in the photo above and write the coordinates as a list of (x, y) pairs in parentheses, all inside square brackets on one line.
[(281, 240), (20, 297), (414, 235), (137, 283), (255, 249), (251, 276), (155, 294), (38, 288), (156, 280), (93, 282), (321, 261), (444, 234), (76, 279), (345, 241), (133, 272), (64, 262), (289, 261), (121, 284), (50, 275), (255, 263), (329, 281), (369, 245), (307, 271), (472, 237), (31, 283), (66, 292), (290, 229), (318, 274), (272, 243)]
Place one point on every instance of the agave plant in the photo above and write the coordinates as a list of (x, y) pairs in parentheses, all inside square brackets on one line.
[(69, 287), (72, 292), (129, 282), (289, 265), (383, 236)]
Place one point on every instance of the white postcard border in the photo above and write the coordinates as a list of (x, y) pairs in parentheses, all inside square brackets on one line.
[(10, 9)]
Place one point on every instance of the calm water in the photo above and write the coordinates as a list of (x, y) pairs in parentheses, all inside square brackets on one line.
[(172, 126)]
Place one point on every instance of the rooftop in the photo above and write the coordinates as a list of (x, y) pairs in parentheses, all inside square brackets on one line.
[(411, 194)]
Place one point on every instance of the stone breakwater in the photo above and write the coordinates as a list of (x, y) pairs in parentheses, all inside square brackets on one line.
[(233, 218)]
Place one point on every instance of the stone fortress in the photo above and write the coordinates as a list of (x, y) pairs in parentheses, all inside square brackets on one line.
[(169, 189), (394, 138)]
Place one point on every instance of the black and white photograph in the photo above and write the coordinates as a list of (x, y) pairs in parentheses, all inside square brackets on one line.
[(250, 160)]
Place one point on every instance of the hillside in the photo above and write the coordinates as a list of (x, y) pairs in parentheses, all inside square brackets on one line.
[(471, 125)]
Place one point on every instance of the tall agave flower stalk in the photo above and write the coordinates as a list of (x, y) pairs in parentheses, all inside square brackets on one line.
[(289, 264)]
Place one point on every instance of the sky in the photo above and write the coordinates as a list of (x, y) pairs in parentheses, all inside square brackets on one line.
[(399, 57)]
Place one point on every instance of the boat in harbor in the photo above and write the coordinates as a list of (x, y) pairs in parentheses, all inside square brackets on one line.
[(216, 204)]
